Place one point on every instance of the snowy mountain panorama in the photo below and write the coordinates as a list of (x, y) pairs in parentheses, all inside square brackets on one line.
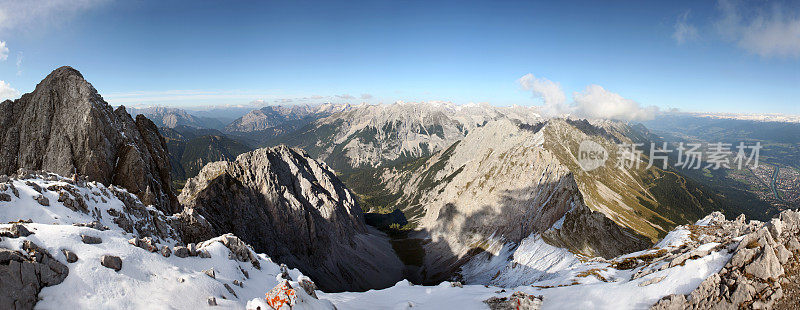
[(499, 215), (81, 244)]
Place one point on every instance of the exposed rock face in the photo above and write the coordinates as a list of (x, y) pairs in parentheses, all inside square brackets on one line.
[(64, 126), (375, 135), (294, 209), (23, 275), (754, 276), (498, 186)]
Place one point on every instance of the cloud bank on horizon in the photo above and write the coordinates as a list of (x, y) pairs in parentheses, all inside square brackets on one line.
[(772, 31), (593, 102)]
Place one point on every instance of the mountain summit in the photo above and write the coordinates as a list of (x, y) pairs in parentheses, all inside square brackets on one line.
[(65, 126)]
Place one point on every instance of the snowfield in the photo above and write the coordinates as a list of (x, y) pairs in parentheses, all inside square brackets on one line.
[(149, 280)]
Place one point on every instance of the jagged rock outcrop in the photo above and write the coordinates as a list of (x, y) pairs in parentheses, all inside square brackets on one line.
[(296, 210), (64, 126), (82, 197), (754, 276), (24, 273)]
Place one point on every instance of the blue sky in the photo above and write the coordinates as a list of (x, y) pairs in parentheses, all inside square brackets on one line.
[(721, 56)]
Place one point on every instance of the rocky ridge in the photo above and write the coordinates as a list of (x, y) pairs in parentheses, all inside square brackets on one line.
[(294, 209), (498, 186), (755, 275), (174, 117), (376, 135), (64, 126), (86, 225), (277, 115)]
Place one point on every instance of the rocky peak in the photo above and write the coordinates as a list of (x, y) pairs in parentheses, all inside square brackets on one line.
[(297, 211), (64, 126)]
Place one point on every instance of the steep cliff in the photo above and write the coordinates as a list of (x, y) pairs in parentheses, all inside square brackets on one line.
[(295, 209), (64, 126)]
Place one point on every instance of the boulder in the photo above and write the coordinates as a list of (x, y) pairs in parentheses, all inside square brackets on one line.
[(111, 262), (70, 256), (15, 231), (91, 239), (181, 251), (42, 200), (282, 296), (517, 301)]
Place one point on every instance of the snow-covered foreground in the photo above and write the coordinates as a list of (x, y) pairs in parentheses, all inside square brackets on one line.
[(569, 283), (149, 280)]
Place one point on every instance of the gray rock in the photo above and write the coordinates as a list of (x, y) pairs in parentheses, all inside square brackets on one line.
[(671, 302), (212, 301), (42, 200), (651, 281), (23, 276), (210, 273), (203, 254), (15, 231), (517, 301), (107, 146), (793, 245), (91, 239), (181, 251), (775, 227), (5, 197), (783, 254), (192, 249), (240, 251), (70, 256), (766, 266), (111, 262), (309, 287), (319, 223), (165, 251), (230, 290)]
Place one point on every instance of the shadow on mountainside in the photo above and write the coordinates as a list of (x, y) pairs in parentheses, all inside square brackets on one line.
[(519, 215)]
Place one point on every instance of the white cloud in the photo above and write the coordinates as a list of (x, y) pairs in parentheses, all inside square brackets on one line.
[(3, 51), (550, 92), (597, 102), (768, 33), (345, 96), (19, 63), (31, 15), (6, 92), (366, 96), (684, 32)]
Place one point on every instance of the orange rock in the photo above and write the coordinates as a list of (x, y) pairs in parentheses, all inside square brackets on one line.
[(282, 296)]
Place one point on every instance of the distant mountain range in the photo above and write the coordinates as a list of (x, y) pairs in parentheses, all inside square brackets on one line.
[(173, 117)]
